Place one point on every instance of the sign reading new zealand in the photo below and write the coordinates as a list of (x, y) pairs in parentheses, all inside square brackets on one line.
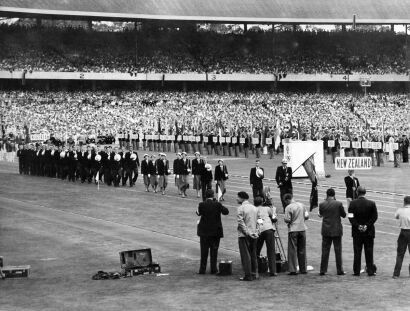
[(353, 163)]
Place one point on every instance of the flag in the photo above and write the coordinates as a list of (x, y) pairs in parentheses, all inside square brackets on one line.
[(277, 135), (218, 193), (309, 166), (97, 180)]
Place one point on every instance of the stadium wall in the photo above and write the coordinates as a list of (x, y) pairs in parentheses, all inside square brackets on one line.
[(199, 77)]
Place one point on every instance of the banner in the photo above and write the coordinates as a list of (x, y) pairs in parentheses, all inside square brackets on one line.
[(40, 137), (353, 163)]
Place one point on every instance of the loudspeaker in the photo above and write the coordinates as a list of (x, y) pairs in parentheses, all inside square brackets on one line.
[(136, 258)]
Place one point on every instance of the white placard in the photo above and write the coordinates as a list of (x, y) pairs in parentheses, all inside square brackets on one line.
[(255, 140), (234, 140), (353, 163), (198, 138), (269, 141), (228, 139), (395, 146), (356, 144), (330, 143), (222, 140), (40, 137), (205, 139), (179, 138), (215, 139), (242, 140), (366, 145), (376, 145), (345, 144)]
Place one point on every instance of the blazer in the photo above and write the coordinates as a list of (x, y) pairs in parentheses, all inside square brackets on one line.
[(210, 223), (220, 173), (254, 180), (145, 167), (284, 177), (362, 212), (162, 168), (332, 211), (350, 183), (196, 166)]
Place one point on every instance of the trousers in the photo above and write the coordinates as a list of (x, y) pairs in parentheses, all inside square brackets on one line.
[(403, 242), (326, 245), (297, 251), (247, 250)]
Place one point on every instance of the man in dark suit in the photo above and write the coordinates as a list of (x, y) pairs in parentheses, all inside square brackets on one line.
[(331, 211), (256, 180), (351, 183), (145, 172), (284, 180), (362, 215), (210, 230), (221, 175), (163, 172)]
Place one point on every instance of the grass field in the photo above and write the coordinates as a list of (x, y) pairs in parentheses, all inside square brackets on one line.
[(69, 231)]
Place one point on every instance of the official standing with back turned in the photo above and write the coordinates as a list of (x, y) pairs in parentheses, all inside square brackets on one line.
[(403, 215), (332, 212), (362, 215), (210, 230)]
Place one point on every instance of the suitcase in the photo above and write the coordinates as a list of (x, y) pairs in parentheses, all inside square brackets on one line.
[(225, 267)]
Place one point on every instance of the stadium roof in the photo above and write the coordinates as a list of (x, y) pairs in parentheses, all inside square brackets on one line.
[(250, 11)]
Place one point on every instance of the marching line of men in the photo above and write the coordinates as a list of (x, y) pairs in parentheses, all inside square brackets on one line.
[(115, 166)]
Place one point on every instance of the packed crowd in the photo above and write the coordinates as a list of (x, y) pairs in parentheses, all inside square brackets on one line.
[(75, 49), (68, 115)]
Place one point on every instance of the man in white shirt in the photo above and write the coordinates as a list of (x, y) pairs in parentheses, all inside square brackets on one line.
[(403, 215), (295, 216), (247, 236)]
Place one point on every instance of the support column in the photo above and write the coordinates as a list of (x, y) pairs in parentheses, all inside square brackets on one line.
[(184, 86), (343, 28), (317, 87), (136, 45), (392, 27), (47, 85), (94, 85), (89, 25), (38, 22), (245, 27), (294, 27), (229, 87)]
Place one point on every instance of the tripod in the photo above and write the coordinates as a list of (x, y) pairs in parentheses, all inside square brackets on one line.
[(281, 260)]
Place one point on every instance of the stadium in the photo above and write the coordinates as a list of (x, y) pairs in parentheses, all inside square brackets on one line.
[(99, 97)]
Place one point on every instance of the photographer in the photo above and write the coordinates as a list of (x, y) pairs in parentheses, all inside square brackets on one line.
[(266, 217)]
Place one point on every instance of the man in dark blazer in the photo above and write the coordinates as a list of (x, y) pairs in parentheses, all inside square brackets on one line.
[(256, 180), (352, 183), (284, 180), (221, 175), (331, 212), (210, 230), (362, 215)]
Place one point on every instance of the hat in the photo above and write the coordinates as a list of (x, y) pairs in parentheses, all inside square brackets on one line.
[(145, 155), (220, 160), (164, 154), (259, 173), (208, 167), (179, 153), (196, 152), (183, 152), (98, 158), (284, 161)]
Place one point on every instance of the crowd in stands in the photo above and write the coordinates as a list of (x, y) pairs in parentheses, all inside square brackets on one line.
[(66, 114), (76, 49)]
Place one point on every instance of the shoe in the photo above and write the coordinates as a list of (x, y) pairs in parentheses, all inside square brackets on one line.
[(214, 272), (245, 278), (322, 273), (273, 274), (292, 273), (372, 274), (395, 276), (341, 273), (305, 272), (201, 272), (356, 274), (163, 192)]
